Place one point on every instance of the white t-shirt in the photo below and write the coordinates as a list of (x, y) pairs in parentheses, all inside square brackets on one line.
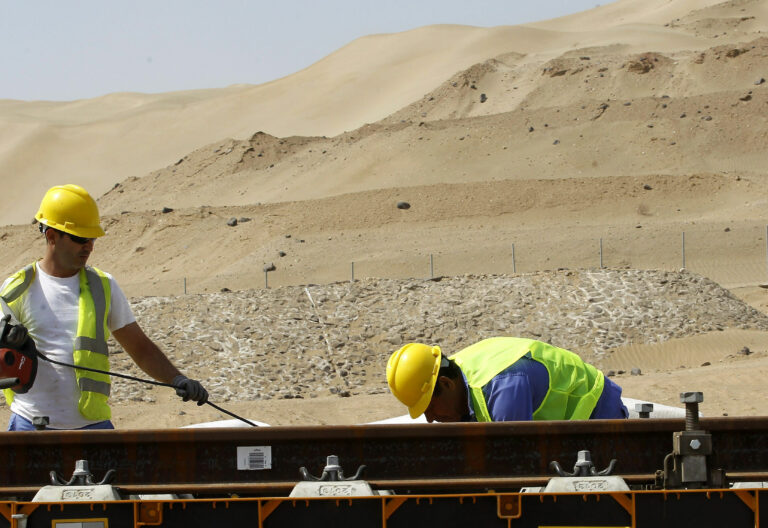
[(50, 313)]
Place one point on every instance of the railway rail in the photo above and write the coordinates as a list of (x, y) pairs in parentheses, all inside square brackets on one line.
[(448, 474), (454, 452)]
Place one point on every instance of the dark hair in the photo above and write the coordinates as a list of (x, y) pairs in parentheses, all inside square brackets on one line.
[(448, 368)]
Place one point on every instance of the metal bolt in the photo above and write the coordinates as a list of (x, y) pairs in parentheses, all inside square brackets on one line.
[(81, 468), (583, 463), (691, 397), (40, 422), (644, 410), (333, 469), (691, 401), (695, 444)]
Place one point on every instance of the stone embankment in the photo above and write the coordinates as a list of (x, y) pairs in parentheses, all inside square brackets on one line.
[(304, 342)]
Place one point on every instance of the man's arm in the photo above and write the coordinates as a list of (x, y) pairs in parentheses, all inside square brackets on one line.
[(151, 360), (146, 353)]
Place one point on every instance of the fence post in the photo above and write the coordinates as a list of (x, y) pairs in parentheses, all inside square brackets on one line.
[(353, 272), (266, 279), (601, 253), (431, 266), (683, 249), (514, 266), (185, 285)]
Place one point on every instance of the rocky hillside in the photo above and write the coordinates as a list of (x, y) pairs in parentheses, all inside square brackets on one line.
[(318, 340)]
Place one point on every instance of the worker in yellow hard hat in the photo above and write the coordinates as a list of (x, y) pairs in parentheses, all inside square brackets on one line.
[(501, 379), (69, 310)]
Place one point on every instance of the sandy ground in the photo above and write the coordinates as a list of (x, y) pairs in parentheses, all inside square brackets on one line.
[(608, 137), (733, 385)]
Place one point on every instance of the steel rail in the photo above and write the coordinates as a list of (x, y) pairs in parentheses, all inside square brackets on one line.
[(277, 489), (494, 452), (399, 486)]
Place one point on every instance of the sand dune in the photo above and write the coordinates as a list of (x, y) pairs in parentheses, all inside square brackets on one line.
[(100, 142)]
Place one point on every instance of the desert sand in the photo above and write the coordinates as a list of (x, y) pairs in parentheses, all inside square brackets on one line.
[(538, 162)]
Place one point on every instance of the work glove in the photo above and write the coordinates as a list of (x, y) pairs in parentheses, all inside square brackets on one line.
[(12, 335), (190, 389)]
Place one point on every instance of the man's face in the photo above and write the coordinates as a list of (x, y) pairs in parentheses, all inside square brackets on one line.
[(450, 405), (71, 254)]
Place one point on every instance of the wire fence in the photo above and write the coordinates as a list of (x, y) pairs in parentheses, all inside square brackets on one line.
[(733, 261)]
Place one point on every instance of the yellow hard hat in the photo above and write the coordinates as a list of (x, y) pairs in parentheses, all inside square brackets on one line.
[(71, 209), (411, 375)]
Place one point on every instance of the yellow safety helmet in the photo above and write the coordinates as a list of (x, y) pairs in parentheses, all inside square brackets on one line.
[(71, 209), (411, 375)]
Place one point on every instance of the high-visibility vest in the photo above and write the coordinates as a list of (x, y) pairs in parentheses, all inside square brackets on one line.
[(90, 345), (574, 386)]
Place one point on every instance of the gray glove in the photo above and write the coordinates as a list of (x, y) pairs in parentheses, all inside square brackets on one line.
[(12, 335), (190, 389)]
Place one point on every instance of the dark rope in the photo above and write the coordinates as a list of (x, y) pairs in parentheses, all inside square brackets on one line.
[(140, 380)]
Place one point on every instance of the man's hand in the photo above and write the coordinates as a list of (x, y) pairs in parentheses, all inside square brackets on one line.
[(190, 389), (12, 335)]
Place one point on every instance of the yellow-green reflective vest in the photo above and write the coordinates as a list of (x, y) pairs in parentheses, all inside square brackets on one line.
[(90, 345), (574, 386)]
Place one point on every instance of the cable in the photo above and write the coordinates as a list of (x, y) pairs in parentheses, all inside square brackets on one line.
[(140, 380), (231, 414), (6, 310)]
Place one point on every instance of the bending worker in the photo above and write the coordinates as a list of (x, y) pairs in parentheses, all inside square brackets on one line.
[(69, 309), (501, 379)]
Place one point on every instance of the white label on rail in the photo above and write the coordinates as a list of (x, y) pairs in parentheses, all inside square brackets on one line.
[(335, 490), (254, 457), (592, 484)]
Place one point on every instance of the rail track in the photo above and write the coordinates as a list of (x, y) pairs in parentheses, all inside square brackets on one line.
[(448, 474)]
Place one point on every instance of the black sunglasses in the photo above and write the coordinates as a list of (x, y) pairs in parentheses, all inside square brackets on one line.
[(76, 239)]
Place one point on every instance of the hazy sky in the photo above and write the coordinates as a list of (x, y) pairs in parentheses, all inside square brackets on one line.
[(75, 49)]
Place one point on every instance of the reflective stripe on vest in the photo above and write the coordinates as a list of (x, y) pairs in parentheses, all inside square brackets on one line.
[(12, 294), (574, 386), (90, 344), (19, 283)]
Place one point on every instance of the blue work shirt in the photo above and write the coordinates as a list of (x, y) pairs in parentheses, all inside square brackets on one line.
[(517, 391)]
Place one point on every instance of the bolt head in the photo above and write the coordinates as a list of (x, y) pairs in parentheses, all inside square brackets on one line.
[(691, 397), (695, 444), (644, 407)]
